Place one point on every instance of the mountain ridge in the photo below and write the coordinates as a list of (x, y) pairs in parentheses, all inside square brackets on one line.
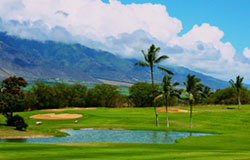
[(51, 59)]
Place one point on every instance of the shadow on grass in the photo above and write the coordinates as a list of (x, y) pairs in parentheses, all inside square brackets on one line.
[(3, 124)]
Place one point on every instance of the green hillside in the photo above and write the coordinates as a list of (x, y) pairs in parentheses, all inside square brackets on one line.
[(77, 62)]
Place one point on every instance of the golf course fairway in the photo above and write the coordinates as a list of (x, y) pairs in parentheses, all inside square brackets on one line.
[(231, 139)]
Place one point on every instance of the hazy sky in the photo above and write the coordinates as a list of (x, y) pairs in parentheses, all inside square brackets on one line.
[(208, 36)]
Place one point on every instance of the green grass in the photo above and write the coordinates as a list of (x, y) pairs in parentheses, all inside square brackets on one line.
[(231, 142)]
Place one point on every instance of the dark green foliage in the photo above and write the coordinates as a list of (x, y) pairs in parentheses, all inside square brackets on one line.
[(141, 94), (77, 95), (168, 91), (151, 59), (17, 121), (42, 96), (103, 95), (39, 96), (205, 94), (12, 96), (229, 96), (237, 85), (194, 90), (193, 85)]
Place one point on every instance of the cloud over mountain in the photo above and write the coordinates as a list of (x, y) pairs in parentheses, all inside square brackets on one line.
[(124, 30)]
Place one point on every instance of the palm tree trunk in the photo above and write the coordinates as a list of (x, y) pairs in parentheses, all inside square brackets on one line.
[(167, 112), (153, 90), (239, 103), (191, 111)]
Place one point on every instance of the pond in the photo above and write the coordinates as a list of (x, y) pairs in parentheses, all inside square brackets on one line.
[(106, 135)]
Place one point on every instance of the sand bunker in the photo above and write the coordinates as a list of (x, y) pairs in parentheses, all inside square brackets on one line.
[(56, 116), (174, 110), (71, 109)]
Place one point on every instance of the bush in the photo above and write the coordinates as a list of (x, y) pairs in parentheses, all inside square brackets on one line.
[(17, 121)]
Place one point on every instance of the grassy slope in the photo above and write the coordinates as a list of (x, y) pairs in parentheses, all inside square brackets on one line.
[(231, 142)]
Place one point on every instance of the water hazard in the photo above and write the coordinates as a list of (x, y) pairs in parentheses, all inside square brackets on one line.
[(105, 135)]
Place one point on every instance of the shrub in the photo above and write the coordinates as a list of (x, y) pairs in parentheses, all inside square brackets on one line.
[(17, 121)]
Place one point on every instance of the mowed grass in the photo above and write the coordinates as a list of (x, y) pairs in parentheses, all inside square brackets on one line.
[(230, 142)]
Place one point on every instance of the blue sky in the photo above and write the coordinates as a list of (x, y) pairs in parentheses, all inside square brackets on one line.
[(207, 36)]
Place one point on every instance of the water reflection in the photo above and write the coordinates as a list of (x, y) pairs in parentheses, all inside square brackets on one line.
[(126, 136)]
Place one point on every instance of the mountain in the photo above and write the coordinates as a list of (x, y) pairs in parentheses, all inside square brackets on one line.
[(15, 62), (49, 59)]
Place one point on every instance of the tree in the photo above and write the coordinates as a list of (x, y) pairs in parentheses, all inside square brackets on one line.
[(168, 91), (151, 58), (77, 95), (229, 96), (103, 95), (40, 96), (11, 96), (205, 94), (140, 94), (238, 86), (194, 89)]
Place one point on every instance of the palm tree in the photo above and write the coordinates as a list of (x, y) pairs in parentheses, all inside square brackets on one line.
[(151, 58), (238, 86), (206, 92), (194, 88), (168, 91)]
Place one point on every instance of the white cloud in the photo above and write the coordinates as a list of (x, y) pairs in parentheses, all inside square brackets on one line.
[(125, 30), (95, 19), (246, 52)]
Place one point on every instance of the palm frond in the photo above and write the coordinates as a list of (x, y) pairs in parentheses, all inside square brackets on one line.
[(157, 50), (175, 94), (193, 85), (239, 81), (176, 84), (161, 58), (165, 70), (145, 55), (158, 97), (141, 63), (232, 83)]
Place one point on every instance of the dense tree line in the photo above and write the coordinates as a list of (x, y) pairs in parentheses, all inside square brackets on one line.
[(229, 96), (42, 96)]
